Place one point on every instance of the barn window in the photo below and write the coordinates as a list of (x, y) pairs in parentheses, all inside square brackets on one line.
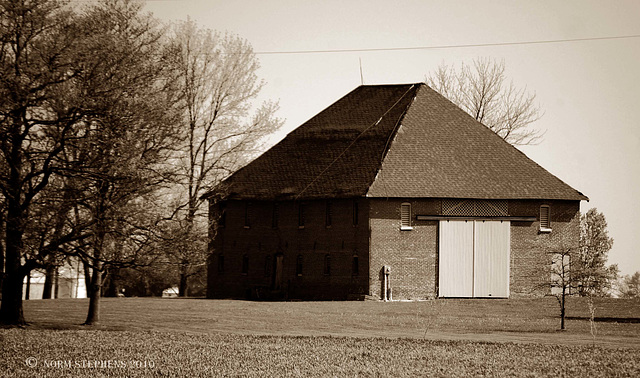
[(245, 264), (220, 263), (299, 265), (405, 216), (355, 213), (247, 215), (301, 209), (328, 214), (355, 266), (545, 221), (275, 215), (327, 265)]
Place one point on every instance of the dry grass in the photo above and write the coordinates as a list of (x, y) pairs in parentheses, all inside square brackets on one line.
[(193, 337), (534, 320), (134, 354)]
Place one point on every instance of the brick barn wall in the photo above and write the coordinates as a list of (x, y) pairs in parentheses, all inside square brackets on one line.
[(413, 255), (531, 251), (261, 242)]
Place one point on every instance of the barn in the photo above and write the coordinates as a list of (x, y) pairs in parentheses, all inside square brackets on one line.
[(392, 192)]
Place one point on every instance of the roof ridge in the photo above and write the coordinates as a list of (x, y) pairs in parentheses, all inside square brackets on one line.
[(393, 134), (391, 84), (362, 133), (351, 92)]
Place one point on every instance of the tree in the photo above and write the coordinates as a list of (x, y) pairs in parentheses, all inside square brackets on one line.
[(562, 282), (595, 278), (2, 238), (125, 137), (482, 91), (582, 269), (49, 221), (37, 118), (630, 286), (185, 245), (218, 82), (83, 99)]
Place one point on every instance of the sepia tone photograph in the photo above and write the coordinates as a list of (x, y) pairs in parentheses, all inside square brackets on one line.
[(203, 188)]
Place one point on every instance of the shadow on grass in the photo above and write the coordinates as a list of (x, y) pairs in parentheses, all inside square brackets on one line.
[(58, 326), (605, 319)]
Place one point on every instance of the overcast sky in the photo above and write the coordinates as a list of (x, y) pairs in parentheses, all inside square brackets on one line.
[(589, 90)]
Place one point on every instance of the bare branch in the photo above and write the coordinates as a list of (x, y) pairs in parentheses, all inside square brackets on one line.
[(481, 91)]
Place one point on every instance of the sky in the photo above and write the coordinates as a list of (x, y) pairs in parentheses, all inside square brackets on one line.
[(589, 90)]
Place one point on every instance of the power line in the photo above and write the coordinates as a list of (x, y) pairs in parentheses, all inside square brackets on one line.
[(354, 141), (447, 46)]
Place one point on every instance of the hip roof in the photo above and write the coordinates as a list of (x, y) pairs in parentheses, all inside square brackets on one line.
[(394, 141)]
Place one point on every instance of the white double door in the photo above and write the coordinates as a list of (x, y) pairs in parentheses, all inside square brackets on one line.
[(474, 258)]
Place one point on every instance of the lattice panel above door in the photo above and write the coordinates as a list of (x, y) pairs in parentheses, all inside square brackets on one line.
[(475, 208)]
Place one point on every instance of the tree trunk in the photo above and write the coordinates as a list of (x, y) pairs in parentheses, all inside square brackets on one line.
[(56, 286), (145, 286), (27, 293), (562, 308), (93, 316), (48, 282), (50, 289), (11, 307), (183, 287), (2, 241), (87, 277), (111, 284), (562, 313)]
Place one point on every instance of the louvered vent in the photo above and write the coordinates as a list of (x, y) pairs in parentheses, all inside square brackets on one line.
[(544, 217), (405, 216), (475, 208)]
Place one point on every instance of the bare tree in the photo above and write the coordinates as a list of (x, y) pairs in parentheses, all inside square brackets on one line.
[(482, 91), (84, 97), (37, 119), (49, 222), (2, 239), (125, 139), (596, 278), (562, 280), (581, 269), (218, 83)]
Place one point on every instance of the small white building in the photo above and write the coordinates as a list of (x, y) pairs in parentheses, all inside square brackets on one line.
[(70, 282), (171, 292)]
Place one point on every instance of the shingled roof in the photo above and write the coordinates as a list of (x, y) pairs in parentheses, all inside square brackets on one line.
[(394, 141)]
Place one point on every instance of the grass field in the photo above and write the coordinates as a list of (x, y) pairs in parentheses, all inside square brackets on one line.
[(193, 337)]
